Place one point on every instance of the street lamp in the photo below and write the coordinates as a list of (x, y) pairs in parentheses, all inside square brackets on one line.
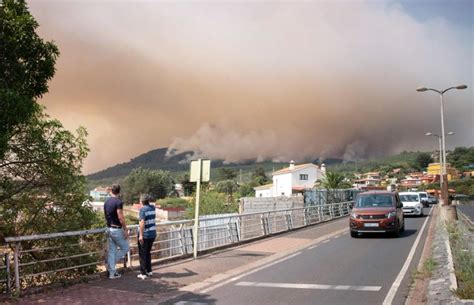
[(440, 154), (444, 189)]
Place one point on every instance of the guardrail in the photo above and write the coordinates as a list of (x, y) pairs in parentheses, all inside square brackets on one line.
[(38, 260)]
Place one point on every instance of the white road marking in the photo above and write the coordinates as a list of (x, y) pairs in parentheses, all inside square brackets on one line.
[(309, 286), (313, 246), (248, 273), (337, 236), (326, 241), (190, 303), (393, 289)]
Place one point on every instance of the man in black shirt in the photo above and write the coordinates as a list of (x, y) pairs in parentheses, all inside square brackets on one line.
[(117, 232)]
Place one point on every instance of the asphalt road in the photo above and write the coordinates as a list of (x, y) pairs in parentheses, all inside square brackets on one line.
[(467, 209), (342, 270)]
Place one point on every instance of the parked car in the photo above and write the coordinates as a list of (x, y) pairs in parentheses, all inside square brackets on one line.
[(432, 199), (424, 198), (377, 212), (411, 203)]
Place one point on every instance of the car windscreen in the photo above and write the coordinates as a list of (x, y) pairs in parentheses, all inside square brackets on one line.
[(409, 198), (373, 201)]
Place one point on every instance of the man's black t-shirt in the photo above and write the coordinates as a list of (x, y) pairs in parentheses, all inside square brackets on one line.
[(111, 205)]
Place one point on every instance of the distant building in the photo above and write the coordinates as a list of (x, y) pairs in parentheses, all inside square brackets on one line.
[(292, 180), (435, 169), (367, 180), (100, 194)]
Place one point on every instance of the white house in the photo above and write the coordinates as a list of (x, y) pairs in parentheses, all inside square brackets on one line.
[(291, 180)]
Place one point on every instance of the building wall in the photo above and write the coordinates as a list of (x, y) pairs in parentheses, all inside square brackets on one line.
[(282, 185), (264, 193), (313, 175)]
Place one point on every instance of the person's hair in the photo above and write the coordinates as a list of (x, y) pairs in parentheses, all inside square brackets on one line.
[(145, 199), (115, 189)]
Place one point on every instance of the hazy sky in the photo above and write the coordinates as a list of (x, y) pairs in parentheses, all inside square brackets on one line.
[(278, 80)]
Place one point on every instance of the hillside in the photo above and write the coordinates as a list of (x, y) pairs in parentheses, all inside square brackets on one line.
[(157, 159)]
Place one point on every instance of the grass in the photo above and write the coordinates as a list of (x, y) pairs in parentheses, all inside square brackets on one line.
[(463, 258)]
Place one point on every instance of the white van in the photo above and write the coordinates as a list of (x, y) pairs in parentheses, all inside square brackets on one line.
[(411, 203)]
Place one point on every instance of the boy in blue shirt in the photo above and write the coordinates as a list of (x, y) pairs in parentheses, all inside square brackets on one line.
[(146, 236)]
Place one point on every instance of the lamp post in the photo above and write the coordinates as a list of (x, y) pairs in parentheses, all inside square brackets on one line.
[(444, 188), (440, 154)]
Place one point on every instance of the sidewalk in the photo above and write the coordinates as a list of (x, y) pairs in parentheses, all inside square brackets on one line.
[(169, 280)]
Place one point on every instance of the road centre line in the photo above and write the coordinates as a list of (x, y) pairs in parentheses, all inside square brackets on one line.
[(396, 284), (248, 273), (309, 286)]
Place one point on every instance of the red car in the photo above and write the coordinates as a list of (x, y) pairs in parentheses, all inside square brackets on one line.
[(377, 212)]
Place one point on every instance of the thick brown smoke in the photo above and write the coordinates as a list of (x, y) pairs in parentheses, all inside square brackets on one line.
[(239, 81)]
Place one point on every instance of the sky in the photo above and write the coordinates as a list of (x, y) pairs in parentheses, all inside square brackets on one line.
[(279, 80)]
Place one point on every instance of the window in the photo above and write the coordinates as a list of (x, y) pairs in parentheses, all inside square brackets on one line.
[(303, 177), (377, 200)]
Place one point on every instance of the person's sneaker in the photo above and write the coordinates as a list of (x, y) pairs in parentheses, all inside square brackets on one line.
[(149, 274), (115, 276), (142, 276)]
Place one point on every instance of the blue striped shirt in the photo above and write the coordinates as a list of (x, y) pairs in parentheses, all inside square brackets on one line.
[(148, 214)]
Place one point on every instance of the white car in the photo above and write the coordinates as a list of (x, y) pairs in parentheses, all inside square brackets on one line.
[(411, 203)]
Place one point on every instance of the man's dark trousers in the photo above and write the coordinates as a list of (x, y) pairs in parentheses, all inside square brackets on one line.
[(145, 256)]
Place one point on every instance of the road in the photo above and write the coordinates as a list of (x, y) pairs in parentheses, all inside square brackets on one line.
[(468, 210), (372, 269)]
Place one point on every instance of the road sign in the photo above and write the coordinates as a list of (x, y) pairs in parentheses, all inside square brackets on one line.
[(200, 170)]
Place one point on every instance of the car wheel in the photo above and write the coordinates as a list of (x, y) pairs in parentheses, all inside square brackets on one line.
[(396, 233), (421, 213), (354, 234), (402, 229)]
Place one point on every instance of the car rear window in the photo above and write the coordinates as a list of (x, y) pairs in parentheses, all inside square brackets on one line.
[(422, 195), (373, 201)]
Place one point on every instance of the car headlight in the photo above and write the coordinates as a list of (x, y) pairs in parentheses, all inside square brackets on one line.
[(418, 206), (354, 215), (391, 214)]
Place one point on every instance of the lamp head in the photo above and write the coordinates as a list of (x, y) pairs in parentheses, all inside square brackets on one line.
[(460, 87), (429, 134), (421, 89), (451, 133)]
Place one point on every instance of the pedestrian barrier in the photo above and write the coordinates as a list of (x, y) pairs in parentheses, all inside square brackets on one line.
[(38, 260)]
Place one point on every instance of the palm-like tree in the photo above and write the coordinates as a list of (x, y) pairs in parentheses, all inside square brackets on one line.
[(333, 180)]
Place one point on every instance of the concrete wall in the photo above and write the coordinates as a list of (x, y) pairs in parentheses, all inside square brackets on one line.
[(261, 204)]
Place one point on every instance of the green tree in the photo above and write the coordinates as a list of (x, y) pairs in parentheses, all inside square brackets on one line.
[(42, 189), (188, 187), (226, 173), (228, 187), (422, 160), (157, 183), (247, 190), (334, 180), (26, 65), (212, 202), (461, 157), (259, 176)]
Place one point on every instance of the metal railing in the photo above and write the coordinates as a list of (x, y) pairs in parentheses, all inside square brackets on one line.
[(37, 260)]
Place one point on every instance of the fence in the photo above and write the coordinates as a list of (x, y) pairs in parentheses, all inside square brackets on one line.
[(37, 260), (319, 197)]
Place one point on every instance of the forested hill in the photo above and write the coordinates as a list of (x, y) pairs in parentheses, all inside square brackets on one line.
[(157, 159), (154, 159)]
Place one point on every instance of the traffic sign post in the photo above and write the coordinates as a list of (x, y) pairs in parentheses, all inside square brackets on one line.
[(200, 171)]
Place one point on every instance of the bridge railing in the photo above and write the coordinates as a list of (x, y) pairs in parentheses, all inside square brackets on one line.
[(38, 260)]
